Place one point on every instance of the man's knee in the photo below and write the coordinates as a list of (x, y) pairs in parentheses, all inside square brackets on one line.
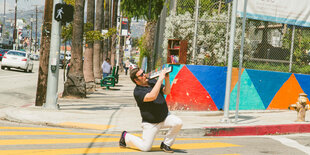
[(146, 148), (179, 123)]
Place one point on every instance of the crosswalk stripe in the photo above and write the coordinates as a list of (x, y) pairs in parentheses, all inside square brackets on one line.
[(12, 133), (29, 128), (114, 149), (85, 125), (75, 140)]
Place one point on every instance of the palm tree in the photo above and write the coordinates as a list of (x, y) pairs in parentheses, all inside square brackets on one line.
[(113, 25), (88, 55), (44, 53), (106, 27), (75, 84), (97, 43), (148, 10)]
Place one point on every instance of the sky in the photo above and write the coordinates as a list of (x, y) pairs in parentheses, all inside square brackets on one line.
[(21, 5)]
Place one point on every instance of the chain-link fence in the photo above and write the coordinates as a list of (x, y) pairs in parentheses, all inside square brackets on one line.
[(267, 45)]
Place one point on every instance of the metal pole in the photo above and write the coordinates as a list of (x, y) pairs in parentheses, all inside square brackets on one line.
[(230, 61), (292, 48), (227, 31), (195, 32), (150, 9), (53, 67), (240, 59), (174, 7)]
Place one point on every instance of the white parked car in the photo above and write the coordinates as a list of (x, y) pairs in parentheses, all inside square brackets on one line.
[(17, 59)]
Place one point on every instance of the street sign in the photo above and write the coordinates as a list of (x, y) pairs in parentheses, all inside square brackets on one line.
[(63, 12)]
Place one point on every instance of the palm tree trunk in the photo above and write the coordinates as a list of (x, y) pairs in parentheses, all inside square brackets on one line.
[(88, 55), (97, 44), (150, 29), (113, 40), (75, 84), (44, 54), (106, 27)]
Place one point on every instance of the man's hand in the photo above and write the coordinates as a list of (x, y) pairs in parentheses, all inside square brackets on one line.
[(162, 75)]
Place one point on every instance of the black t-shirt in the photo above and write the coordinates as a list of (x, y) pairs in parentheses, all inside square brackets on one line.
[(155, 111)]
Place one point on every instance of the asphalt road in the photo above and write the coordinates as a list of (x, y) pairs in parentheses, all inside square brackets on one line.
[(18, 88), (16, 138)]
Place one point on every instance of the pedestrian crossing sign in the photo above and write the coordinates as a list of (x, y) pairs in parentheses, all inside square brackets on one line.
[(63, 12)]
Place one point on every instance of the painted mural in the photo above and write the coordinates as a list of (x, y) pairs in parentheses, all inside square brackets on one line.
[(202, 88)]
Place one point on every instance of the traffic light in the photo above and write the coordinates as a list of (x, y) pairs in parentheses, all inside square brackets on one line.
[(63, 12)]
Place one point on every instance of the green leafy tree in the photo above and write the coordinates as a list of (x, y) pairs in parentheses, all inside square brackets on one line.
[(301, 45), (149, 11), (206, 6)]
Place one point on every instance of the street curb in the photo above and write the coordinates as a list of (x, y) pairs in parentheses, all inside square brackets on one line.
[(258, 130)]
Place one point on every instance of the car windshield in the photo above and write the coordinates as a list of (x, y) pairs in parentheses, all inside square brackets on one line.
[(21, 54)]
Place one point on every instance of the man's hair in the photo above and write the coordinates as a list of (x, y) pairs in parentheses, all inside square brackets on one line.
[(107, 59), (133, 75)]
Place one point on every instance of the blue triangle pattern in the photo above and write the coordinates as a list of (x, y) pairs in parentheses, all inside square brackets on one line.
[(213, 79), (249, 98), (304, 83), (267, 83)]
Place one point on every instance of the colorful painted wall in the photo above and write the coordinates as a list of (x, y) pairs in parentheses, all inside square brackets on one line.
[(200, 88)]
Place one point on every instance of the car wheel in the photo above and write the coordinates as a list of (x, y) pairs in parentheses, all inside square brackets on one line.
[(8, 68), (2, 67)]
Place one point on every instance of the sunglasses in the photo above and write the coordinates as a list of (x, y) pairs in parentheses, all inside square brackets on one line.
[(141, 75)]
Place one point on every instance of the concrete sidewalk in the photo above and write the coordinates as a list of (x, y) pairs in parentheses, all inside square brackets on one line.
[(115, 110)]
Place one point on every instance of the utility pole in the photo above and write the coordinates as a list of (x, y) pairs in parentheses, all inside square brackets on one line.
[(53, 67), (3, 27), (31, 19), (36, 42), (15, 32), (36, 29)]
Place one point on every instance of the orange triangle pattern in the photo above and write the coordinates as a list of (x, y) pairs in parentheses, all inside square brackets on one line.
[(287, 94), (234, 77)]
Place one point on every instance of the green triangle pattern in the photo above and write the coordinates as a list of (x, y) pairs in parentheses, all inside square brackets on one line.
[(249, 98)]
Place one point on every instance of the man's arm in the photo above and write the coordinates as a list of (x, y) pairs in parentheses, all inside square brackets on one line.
[(151, 96), (167, 87)]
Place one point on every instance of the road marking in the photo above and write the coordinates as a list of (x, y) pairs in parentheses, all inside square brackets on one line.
[(114, 149), (292, 143), (75, 140), (12, 133), (227, 154), (30, 128), (86, 125)]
